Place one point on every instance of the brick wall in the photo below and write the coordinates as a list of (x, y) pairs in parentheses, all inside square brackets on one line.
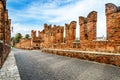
[(52, 36), (24, 44), (5, 32)]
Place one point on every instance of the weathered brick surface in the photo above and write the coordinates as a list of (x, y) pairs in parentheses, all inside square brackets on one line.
[(88, 30), (108, 58), (70, 32), (35, 40), (88, 27), (5, 32), (113, 25), (24, 44), (52, 36)]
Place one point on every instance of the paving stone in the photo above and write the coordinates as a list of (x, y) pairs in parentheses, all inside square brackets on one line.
[(9, 71)]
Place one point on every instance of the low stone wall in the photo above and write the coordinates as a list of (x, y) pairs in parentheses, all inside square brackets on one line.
[(102, 57)]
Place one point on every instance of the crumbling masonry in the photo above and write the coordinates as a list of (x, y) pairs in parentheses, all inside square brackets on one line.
[(53, 37), (5, 32)]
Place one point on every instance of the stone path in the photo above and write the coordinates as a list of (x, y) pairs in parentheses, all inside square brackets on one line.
[(37, 65), (9, 70)]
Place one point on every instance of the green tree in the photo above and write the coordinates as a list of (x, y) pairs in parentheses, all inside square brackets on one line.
[(27, 36), (12, 38), (12, 41), (17, 37)]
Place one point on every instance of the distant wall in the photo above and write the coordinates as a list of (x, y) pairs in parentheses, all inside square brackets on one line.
[(24, 44)]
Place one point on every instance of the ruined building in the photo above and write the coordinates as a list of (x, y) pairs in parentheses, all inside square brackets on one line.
[(53, 37), (5, 32)]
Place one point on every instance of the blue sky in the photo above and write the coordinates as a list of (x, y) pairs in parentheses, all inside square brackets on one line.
[(32, 14)]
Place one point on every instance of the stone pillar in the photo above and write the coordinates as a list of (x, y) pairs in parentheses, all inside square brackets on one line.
[(72, 31), (48, 34), (88, 30), (88, 26), (83, 28), (113, 27), (45, 35), (47, 29), (54, 35), (33, 34), (113, 22), (91, 25), (61, 34), (67, 33)]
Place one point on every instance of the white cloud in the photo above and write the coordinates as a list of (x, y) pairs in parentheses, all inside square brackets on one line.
[(51, 13), (24, 29)]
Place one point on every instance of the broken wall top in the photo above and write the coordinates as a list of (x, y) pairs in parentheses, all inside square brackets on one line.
[(111, 8), (72, 25), (92, 17), (3, 4)]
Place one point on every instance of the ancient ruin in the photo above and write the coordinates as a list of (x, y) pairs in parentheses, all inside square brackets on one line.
[(5, 32), (53, 37)]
